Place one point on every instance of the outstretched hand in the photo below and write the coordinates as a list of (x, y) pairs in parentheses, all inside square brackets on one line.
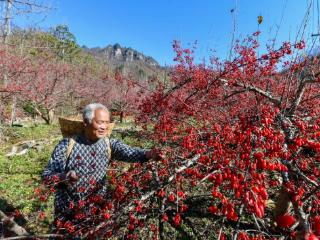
[(154, 154)]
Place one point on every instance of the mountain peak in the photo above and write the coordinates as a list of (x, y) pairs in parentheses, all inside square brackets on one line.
[(118, 54)]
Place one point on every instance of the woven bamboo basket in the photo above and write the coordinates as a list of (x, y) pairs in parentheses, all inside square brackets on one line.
[(71, 126)]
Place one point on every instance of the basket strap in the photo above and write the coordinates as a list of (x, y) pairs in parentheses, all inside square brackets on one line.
[(71, 144), (108, 146)]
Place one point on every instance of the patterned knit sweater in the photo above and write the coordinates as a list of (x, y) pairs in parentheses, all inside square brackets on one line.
[(89, 161)]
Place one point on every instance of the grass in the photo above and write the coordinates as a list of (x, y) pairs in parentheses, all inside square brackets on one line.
[(41, 131), (20, 175)]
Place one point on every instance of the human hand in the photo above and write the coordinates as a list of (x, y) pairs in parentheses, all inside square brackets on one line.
[(72, 176), (154, 154)]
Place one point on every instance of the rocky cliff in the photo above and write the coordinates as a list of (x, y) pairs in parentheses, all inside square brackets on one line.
[(127, 61), (116, 53)]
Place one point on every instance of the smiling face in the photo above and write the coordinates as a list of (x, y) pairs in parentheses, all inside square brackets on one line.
[(98, 127)]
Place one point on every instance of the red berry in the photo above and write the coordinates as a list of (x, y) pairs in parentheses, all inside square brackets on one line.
[(106, 216), (312, 237), (171, 197), (285, 221), (177, 219)]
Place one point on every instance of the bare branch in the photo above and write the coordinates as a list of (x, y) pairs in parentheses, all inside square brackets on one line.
[(299, 173), (311, 98), (234, 93), (261, 92), (31, 4), (12, 225), (44, 236), (298, 98), (303, 219), (146, 196)]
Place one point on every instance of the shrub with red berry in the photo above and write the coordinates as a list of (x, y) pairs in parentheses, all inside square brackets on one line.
[(241, 147)]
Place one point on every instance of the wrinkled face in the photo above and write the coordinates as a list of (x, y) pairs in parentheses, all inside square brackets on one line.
[(98, 127)]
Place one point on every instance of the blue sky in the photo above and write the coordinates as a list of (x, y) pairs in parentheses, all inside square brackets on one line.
[(150, 26)]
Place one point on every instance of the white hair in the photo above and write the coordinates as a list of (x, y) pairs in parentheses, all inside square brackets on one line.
[(89, 110)]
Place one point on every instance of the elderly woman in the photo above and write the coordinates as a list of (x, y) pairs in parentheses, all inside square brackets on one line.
[(81, 161)]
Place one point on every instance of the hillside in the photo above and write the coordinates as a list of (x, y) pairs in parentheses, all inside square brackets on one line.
[(61, 76), (127, 61)]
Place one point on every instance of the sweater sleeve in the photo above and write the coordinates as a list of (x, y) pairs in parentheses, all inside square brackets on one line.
[(125, 153), (54, 172)]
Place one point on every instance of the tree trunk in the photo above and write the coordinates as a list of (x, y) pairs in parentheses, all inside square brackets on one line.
[(47, 117), (7, 31), (121, 116), (13, 110), (50, 116)]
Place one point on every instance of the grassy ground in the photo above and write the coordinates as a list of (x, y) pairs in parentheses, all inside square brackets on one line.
[(20, 175)]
